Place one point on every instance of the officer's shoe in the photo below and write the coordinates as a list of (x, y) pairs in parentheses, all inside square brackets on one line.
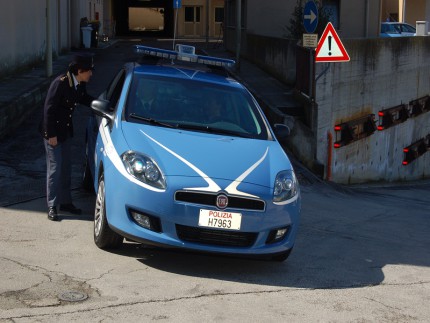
[(70, 208), (52, 213)]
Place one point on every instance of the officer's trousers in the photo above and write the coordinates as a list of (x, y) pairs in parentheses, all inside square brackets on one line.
[(58, 173)]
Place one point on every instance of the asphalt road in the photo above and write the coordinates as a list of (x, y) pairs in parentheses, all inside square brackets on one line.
[(362, 254)]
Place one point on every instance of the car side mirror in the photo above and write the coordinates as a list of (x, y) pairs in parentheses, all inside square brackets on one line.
[(281, 131), (102, 108)]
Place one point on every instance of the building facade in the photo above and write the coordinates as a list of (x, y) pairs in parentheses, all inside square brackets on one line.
[(23, 24)]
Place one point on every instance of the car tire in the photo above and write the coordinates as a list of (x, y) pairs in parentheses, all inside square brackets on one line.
[(104, 236), (282, 256)]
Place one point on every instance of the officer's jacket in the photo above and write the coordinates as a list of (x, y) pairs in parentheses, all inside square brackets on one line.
[(60, 102)]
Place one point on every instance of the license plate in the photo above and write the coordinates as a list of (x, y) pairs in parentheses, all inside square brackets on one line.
[(220, 219)]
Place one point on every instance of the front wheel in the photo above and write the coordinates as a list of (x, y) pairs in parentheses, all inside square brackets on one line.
[(104, 236)]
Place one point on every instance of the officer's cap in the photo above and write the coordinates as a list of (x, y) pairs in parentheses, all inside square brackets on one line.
[(83, 61)]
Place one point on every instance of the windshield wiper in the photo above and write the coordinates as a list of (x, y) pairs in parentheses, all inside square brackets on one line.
[(212, 130), (150, 120)]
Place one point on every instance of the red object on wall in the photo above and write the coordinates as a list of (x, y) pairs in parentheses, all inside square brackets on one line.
[(96, 15)]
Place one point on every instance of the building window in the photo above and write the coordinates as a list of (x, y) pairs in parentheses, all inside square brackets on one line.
[(192, 14), (219, 15), (197, 14)]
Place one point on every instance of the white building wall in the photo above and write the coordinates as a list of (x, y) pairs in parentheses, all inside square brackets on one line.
[(63, 25), (23, 31)]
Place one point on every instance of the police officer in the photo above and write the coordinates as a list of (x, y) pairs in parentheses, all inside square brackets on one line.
[(64, 94)]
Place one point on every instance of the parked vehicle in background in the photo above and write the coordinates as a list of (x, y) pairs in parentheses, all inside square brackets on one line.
[(397, 29)]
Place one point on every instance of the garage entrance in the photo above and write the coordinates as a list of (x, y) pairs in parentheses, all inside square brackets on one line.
[(147, 18)]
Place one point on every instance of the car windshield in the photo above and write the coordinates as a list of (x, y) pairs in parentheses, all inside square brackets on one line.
[(194, 105)]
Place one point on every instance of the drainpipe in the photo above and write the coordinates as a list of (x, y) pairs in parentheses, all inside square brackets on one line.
[(48, 51), (59, 27), (366, 29), (329, 154), (207, 23), (69, 27), (238, 31)]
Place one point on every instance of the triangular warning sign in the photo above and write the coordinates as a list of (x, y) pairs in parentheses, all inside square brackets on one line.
[(330, 48)]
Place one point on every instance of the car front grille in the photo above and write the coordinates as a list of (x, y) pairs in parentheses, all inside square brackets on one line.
[(210, 199), (215, 237)]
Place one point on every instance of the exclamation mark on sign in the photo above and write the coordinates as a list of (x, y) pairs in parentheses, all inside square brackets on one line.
[(329, 45)]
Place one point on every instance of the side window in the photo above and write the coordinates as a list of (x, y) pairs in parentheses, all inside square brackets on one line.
[(219, 15), (408, 29), (115, 88)]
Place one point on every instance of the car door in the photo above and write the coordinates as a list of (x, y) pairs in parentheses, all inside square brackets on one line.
[(111, 94)]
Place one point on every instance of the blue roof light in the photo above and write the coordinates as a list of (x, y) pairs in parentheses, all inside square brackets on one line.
[(184, 53)]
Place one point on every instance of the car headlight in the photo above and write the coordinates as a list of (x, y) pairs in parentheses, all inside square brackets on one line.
[(144, 169), (286, 186)]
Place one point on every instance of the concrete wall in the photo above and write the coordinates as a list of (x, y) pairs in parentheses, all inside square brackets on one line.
[(274, 55), (269, 17), (382, 73)]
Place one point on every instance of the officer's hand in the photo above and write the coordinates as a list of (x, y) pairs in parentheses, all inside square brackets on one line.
[(52, 141)]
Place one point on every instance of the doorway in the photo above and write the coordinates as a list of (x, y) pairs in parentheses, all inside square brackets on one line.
[(192, 21)]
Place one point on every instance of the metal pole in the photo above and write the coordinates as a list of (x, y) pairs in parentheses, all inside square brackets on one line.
[(48, 50), (175, 26), (207, 23), (238, 31)]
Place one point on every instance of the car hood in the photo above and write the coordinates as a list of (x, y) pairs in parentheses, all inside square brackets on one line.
[(209, 156)]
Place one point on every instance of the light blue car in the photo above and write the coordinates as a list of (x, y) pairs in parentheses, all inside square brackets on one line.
[(397, 29), (181, 156)]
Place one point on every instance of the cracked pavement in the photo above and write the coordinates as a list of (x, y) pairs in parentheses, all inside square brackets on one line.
[(362, 255)]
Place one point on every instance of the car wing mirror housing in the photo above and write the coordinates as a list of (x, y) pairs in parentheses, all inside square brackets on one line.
[(102, 108), (281, 131)]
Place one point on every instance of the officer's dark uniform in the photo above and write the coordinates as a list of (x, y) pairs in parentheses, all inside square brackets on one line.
[(62, 98)]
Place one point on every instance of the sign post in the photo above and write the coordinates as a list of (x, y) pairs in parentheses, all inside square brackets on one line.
[(176, 5)]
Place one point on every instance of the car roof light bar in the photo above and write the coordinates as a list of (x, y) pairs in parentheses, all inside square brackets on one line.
[(155, 52), (184, 53)]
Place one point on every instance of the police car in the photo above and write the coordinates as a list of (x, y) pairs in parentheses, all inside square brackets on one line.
[(181, 156)]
